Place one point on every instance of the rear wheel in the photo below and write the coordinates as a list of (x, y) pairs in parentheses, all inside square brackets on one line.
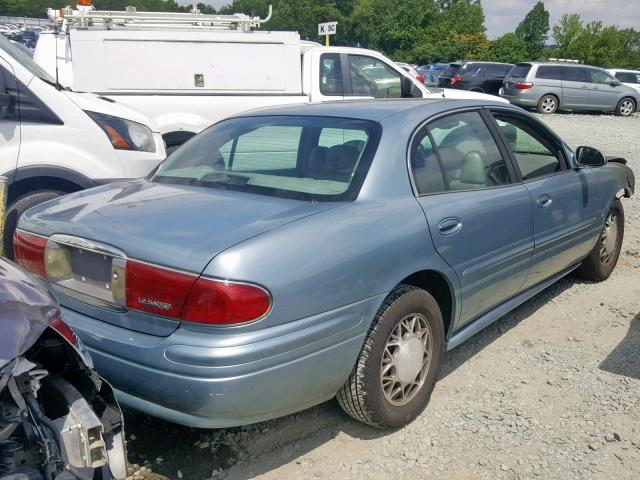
[(548, 104), (17, 208), (625, 107), (604, 256), (399, 363)]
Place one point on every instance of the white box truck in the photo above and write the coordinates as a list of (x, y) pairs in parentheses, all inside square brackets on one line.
[(55, 141), (187, 71)]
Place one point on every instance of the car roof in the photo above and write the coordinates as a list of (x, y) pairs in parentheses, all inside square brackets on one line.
[(369, 109)]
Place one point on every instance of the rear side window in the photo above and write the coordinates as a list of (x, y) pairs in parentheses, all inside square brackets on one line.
[(520, 71), (457, 152), (549, 72), (628, 77), (575, 74), (331, 74)]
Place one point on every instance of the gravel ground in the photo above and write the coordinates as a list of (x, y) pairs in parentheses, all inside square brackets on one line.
[(551, 391)]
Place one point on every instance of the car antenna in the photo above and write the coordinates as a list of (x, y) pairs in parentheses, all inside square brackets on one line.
[(56, 30)]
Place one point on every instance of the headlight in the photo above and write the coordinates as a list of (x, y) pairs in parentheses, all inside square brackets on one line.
[(125, 134)]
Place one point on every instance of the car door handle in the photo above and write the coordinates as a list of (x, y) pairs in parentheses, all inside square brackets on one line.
[(585, 86), (450, 225), (544, 201)]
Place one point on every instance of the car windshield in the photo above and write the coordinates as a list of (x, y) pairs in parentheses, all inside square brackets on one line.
[(298, 157), (23, 59)]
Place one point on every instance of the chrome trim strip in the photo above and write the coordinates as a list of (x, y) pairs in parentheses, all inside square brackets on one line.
[(90, 245)]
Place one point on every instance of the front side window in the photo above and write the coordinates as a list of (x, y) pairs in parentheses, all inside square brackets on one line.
[(331, 74), (457, 152), (298, 157), (598, 76), (373, 78), (536, 154)]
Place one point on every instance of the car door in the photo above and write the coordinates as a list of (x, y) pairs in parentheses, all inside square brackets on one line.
[(566, 216), (481, 223), (9, 121), (575, 88), (604, 90)]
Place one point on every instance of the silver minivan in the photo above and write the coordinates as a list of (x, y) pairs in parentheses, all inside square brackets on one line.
[(552, 86)]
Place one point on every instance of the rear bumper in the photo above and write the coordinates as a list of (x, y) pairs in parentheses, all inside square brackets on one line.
[(219, 379), (523, 98)]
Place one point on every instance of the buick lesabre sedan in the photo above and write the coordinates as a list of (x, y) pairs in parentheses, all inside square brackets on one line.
[(290, 255)]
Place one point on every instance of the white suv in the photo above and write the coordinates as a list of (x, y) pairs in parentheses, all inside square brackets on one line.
[(54, 141)]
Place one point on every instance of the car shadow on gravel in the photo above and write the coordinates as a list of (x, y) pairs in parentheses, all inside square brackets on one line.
[(624, 359), (478, 342), (245, 452)]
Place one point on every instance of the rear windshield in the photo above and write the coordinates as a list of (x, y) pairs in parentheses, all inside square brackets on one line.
[(519, 71), (451, 70), (304, 158)]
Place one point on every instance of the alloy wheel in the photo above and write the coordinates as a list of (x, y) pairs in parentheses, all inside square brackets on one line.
[(549, 105), (406, 359), (626, 107), (609, 238)]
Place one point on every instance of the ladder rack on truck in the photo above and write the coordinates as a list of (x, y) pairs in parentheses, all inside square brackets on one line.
[(87, 18)]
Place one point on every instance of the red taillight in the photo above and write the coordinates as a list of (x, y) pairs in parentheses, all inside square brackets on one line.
[(523, 85), (455, 79), (157, 290), (29, 252), (64, 330), (420, 78), (218, 302)]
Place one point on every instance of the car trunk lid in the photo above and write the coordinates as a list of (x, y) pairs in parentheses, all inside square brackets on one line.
[(173, 226)]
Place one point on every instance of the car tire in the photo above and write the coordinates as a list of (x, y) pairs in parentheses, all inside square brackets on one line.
[(392, 381), (17, 208), (548, 104), (603, 257), (626, 107)]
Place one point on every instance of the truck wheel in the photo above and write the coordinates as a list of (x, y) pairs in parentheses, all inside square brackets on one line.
[(548, 104), (604, 256), (625, 107), (399, 363), (17, 208)]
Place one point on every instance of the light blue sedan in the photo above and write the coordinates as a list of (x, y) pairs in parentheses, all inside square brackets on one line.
[(290, 255)]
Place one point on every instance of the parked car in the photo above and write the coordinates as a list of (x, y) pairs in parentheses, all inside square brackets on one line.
[(55, 141), (413, 71), (431, 77), (218, 69), (292, 254), (483, 77), (630, 78), (553, 86), (58, 419)]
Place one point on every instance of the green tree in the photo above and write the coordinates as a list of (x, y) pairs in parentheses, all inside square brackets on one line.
[(534, 29), (509, 48), (567, 30)]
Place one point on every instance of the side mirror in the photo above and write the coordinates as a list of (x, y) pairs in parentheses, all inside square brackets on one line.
[(590, 157), (615, 83), (408, 89)]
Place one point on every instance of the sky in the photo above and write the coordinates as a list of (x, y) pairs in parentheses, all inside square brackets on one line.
[(502, 16)]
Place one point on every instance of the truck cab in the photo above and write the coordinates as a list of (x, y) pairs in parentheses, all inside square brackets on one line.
[(188, 71)]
